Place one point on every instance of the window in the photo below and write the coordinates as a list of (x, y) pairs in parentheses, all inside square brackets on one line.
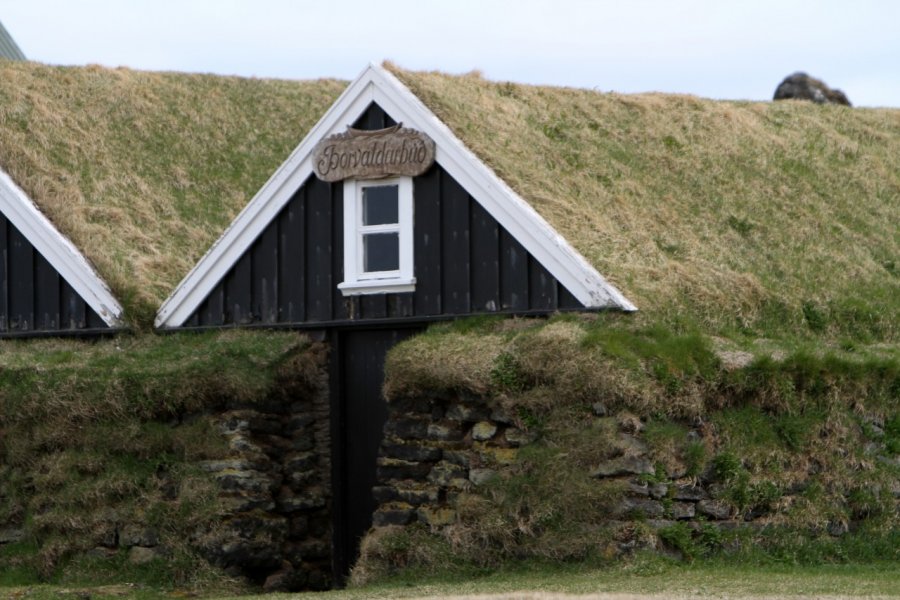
[(378, 236)]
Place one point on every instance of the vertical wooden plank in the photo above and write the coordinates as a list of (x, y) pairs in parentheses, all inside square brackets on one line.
[(339, 301), (94, 321), (565, 298), (373, 306), (21, 281), (454, 247), (292, 260), (46, 295), (485, 260), (212, 310), (427, 242), (72, 308), (373, 118), (318, 251), (4, 274), (264, 269), (237, 292), (541, 287), (401, 305), (513, 273)]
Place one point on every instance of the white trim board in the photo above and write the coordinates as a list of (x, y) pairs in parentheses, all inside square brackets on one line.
[(377, 85), (58, 251)]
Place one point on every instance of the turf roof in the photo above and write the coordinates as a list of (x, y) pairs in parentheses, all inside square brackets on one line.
[(727, 213), (143, 171)]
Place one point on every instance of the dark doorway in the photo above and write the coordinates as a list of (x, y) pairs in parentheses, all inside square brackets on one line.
[(358, 414)]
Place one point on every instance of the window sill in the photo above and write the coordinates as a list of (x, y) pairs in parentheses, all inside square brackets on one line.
[(377, 286)]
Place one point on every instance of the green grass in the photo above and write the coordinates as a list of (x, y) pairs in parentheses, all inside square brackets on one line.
[(96, 433), (643, 575)]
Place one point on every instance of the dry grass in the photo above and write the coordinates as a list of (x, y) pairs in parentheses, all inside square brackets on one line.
[(692, 207), (143, 171)]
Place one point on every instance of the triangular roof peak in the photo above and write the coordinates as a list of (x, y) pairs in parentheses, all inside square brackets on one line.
[(377, 85), (58, 251)]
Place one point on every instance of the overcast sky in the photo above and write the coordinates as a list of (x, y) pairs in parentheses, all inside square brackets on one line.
[(712, 48)]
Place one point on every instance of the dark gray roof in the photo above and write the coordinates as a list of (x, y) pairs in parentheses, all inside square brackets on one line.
[(8, 47)]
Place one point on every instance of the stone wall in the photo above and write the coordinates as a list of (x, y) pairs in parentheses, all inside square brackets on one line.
[(276, 489), (269, 519), (435, 449)]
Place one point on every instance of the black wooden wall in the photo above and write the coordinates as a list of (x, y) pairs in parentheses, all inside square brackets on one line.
[(34, 297), (464, 262)]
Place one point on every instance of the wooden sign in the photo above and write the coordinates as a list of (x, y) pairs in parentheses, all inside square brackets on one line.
[(373, 154)]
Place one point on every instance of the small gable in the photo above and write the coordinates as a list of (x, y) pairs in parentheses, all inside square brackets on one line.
[(447, 240), (47, 285)]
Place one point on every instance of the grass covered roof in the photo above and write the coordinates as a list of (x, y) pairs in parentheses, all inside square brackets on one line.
[(143, 171), (728, 214)]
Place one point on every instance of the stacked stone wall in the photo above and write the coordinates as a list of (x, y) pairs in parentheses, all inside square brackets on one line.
[(276, 489), (434, 449)]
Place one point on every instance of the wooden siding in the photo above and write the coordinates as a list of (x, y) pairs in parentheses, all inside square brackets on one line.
[(34, 297), (464, 263)]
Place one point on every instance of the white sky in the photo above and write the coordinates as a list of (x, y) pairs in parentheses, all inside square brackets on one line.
[(713, 48)]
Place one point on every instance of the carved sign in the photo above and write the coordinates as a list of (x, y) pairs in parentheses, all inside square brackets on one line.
[(373, 154)]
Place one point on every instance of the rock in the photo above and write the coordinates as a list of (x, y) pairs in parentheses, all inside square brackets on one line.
[(446, 431), (501, 456), (280, 580), (458, 457), (217, 466), (837, 528), (467, 413), (483, 431), (138, 535), (681, 510), (392, 468), (245, 480), (300, 461), (289, 502), (599, 409), (638, 489), (715, 509), (447, 474), (800, 86), (393, 516), (408, 429), (384, 493), (641, 508), (9, 535), (623, 465), (411, 452), (138, 555), (630, 445), (659, 490), (481, 476), (629, 423), (418, 496), (690, 493), (436, 517), (498, 415), (517, 437)]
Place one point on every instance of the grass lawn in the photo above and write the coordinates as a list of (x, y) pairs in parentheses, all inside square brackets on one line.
[(643, 578)]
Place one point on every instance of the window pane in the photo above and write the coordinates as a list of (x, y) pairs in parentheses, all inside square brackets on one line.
[(379, 204), (381, 252)]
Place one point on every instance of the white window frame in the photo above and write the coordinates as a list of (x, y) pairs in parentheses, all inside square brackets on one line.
[(356, 280)]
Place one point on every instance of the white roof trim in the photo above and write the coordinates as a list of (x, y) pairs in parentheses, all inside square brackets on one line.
[(61, 253), (509, 209)]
